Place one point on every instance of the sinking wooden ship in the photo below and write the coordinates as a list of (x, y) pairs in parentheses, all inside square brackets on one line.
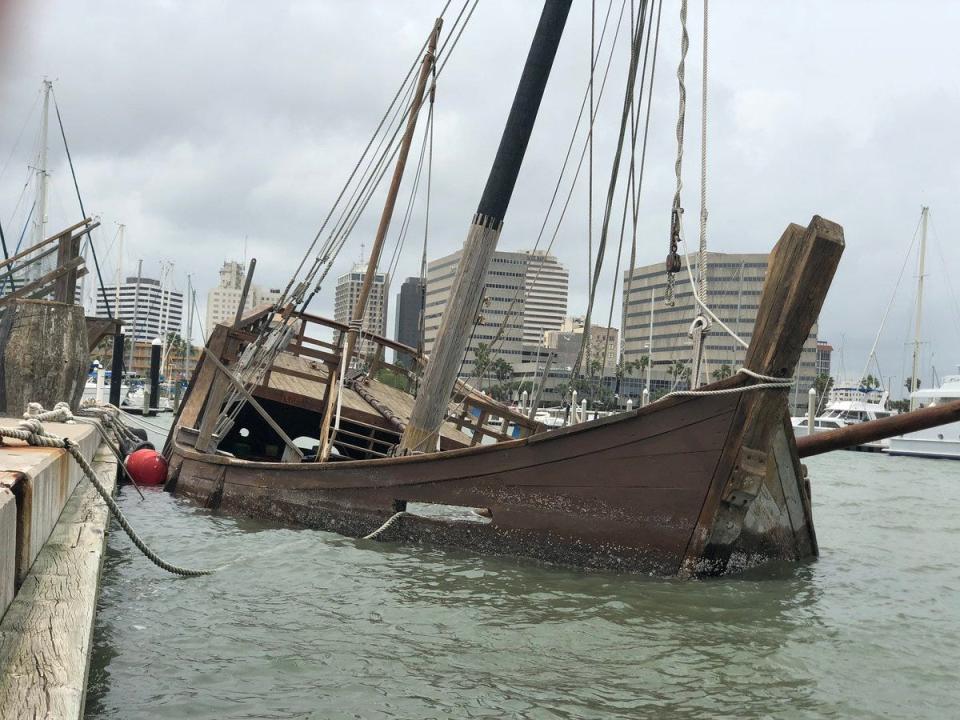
[(695, 483), (684, 485)]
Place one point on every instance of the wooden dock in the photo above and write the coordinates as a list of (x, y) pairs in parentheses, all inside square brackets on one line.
[(52, 539)]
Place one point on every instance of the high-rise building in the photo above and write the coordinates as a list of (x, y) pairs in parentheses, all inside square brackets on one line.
[(524, 295), (604, 345), (409, 310), (375, 313), (547, 286), (824, 351), (223, 300), (735, 283), (158, 310)]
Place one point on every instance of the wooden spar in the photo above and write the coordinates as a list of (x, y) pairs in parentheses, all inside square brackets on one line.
[(359, 308), (799, 274), (235, 381), (874, 430), (66, 231), (243, 293), (430, 407)]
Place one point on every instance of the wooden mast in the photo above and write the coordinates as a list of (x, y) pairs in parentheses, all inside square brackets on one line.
[(360, 306), (440, 375)]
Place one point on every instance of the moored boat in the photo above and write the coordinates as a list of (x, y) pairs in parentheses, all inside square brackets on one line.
[(282, 424), (936, 442)]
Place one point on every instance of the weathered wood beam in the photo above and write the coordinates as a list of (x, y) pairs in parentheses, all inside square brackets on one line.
[(799, 274), (44, 282), (66, 231), (881, 429)]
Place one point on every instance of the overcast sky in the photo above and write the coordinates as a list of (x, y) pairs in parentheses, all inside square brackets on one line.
[(201, 124)]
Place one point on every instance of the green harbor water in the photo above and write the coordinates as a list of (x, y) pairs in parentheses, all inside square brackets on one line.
[(306, 624)]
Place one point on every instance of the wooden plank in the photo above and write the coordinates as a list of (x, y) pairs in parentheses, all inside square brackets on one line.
[(99, 328), (41, 283), (379, 339), (46, 634), (24, 253), (235, 381), (65, 288), (371, 438)]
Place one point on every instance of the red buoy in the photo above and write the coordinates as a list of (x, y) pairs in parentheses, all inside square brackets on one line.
[(147, 467)]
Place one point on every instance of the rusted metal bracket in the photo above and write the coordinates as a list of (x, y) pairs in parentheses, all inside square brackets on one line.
[(748, 474)]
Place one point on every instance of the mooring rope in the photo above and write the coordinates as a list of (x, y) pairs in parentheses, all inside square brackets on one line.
[(386, 526), (31, 432), (768, 382)]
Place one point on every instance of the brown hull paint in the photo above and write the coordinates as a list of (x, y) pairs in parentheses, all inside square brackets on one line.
[(620, 493), (690, 485)]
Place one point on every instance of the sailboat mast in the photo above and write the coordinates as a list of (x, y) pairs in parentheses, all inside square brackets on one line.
[(116, 291), (915, 374), (40, 212), (189, 343), (440, 375), (359, 308)]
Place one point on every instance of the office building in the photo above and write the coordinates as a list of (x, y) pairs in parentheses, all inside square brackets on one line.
[(734, 286), (223, 300), (824, 352), (375, 313), (524, 295), (547, 284), (157, 310), (409, 310)]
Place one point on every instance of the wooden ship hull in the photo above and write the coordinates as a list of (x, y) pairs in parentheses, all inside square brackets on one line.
[(693, 484)]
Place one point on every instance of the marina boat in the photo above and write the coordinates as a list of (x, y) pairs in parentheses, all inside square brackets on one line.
[(937, 442), (279, 423), (849, 404)]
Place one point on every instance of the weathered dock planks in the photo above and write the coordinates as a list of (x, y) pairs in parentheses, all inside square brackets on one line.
[(52, 526)]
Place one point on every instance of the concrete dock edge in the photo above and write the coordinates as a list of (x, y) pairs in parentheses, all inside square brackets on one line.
[(47, 631)]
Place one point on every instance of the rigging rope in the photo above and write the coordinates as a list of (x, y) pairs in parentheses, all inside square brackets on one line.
[(89, 239), (614, 173), (643, 155), (673, 257), (632, 193), (700, 327), (498, 337)]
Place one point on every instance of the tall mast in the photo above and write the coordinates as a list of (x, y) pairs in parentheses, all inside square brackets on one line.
[(189, 343), (116, 293), (915, 374), (359, 309), (440, 375), (136, 308), (40, 212)]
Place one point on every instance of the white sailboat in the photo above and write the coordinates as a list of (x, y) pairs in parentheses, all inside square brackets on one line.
[(939, 442)]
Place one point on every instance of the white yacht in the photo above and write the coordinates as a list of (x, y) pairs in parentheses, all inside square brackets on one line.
[(849, 403), (938, 442)]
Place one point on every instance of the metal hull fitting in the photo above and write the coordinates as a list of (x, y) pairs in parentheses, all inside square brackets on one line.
[(622, 493)]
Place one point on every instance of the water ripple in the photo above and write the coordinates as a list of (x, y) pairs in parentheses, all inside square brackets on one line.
[(305, 624)]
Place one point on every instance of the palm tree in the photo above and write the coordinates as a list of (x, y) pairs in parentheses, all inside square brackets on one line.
[(724, 371), (481, 362), (502, 370)]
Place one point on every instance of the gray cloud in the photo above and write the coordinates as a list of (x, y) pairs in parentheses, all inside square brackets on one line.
[(200, 124)]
